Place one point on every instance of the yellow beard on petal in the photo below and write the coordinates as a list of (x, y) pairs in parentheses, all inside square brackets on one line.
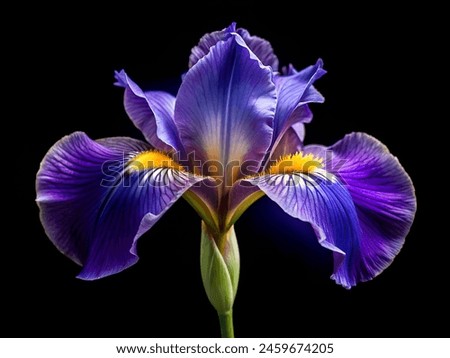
[(296, 163), (152, 159)]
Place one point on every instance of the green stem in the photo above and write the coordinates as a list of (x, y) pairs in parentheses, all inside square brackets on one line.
[(226, 324)]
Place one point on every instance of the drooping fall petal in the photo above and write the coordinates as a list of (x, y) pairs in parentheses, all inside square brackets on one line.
[(94, 209), (326, 204), (383, 195)]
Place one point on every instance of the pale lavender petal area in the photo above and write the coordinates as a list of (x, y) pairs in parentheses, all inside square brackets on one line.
[(301, 115), (322, 200), (383, 195), (152, 113), (226, 104), (260, 47), (93, 209), (299, 130), (295, 90)]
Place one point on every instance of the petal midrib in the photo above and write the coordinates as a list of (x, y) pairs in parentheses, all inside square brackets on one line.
[(226, 123)]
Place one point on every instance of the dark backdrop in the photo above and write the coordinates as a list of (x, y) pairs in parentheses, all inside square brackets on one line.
[(64, 60)]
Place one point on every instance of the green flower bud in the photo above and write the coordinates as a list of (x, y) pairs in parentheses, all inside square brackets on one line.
[(219, 262)]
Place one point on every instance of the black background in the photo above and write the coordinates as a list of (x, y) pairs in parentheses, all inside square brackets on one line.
[(62, 66)]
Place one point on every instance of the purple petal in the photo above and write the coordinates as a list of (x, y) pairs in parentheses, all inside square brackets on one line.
[(383, 195), (225, 106), (204, 198), (320, 199), (260, 47), (152, 113), (292, 139), (208, 41), (294, 91), (289, 70), (301, 114), (291, 142), (93, 210), (241, 196)]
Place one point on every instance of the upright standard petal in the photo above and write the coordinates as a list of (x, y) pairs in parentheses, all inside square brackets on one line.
[(260, 47), (225, 106), (207, 41), (94, 208), (383, 195), (293, 91), (152, 113), (291, 141), (322, 200)]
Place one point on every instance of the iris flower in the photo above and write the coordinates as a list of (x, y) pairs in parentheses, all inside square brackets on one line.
[(233, 134)]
